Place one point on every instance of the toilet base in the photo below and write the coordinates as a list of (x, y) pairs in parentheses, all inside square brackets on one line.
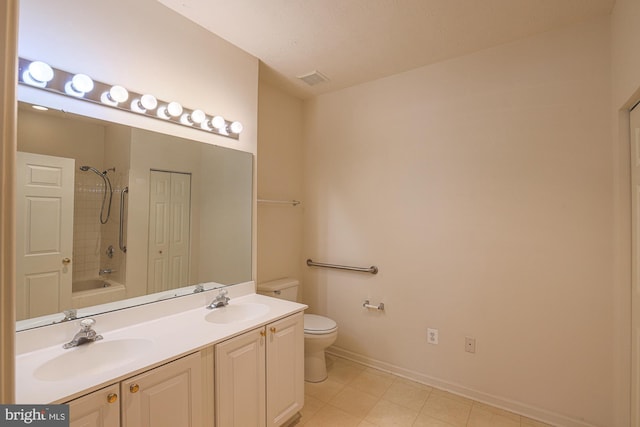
[(315, 367)]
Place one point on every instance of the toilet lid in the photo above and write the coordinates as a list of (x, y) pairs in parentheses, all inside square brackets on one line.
[(314, 324)]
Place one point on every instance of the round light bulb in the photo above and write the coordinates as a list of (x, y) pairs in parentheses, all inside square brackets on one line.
[(144, 103), (174, 109), (148, 102), (218, 122), (38, 74), (79, 85), (198, 116), (118, 94), (82, 83), (236, 127)]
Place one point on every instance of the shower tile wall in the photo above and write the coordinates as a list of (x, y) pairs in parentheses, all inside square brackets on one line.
[(90, 238)]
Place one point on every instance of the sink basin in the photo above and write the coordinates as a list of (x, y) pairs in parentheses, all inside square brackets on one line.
[(92, 358), (236, 312)]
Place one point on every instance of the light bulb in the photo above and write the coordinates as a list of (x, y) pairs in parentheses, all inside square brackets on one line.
[(236, 127), (198, 116), (38, 74), (174, 109), (79, 85), (144, 103), (162, 112), (115, 95), (195, 118), (218, 122)]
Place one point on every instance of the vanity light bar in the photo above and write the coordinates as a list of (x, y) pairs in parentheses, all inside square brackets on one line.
[(41, 75)]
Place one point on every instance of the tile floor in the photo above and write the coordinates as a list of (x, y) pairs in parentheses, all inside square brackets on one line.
[(358, 396)]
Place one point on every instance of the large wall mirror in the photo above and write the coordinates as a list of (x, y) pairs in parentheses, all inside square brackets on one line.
[(110, 216)]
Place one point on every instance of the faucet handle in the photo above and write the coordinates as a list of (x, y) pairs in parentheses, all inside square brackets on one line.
[(87, 324), (223, 292)]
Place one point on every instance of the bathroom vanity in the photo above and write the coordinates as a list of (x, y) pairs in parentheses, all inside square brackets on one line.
[(173, 363)]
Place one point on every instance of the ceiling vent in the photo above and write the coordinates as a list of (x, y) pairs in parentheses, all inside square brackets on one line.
[(314, 78)]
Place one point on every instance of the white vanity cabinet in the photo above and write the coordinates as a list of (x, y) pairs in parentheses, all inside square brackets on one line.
[(98, 409), (259, 375), (169, 395)]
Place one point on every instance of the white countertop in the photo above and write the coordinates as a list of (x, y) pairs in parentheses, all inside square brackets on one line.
[(171, 336)]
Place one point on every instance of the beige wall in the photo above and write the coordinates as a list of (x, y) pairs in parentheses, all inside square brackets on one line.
[(482, 189), (280, 173)]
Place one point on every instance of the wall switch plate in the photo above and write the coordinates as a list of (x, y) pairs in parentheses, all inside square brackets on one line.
[(469, 344), (432, 336)]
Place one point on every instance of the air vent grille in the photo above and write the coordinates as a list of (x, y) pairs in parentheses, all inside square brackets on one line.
[(314, 78)]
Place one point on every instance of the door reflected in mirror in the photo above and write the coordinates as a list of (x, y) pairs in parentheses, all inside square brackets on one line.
[(109, 213)]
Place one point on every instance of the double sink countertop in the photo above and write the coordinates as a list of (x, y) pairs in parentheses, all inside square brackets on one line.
[(134, 340)]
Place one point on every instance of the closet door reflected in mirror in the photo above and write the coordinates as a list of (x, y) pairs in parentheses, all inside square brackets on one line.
[(169, 212)]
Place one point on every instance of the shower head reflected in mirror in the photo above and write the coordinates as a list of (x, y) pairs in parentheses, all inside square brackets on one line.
[(107, 183)]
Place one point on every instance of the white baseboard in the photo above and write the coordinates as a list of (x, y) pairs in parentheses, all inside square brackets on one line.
[(496, 401)]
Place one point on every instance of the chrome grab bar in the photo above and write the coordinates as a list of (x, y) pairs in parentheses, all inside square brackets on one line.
[(123, 248), (280, 202), (373, 269)]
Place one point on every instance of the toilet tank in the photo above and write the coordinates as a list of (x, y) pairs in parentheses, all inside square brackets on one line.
[(286, 288)]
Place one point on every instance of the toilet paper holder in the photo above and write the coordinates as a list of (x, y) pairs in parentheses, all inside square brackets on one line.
[(367, 304)]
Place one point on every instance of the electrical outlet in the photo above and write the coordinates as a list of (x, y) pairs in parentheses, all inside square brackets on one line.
[(469, 344), (432, 336)]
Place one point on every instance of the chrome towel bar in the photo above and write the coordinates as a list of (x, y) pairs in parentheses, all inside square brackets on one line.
[(373, 269)]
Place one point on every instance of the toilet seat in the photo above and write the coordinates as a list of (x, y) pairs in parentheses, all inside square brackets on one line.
[(318, 325)]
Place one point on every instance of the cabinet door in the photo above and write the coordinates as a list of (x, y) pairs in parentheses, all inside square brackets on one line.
[(167, 396), (285, 369), (240, 381), (98, 409)]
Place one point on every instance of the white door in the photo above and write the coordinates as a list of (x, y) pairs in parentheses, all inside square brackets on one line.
[(44, 234), (179, 229), (635, 267), (159, 200), (169, 230)]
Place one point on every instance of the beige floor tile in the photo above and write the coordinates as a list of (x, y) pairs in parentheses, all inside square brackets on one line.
[(343, 371), (447, 409), (331, 416), (424, 420), (311, 406), (354, 401), (407, 393), (388, 414), (528, 422), (324, 390), (490, 417), (372, 382), (365, 423), (438, 392), (497, 411)]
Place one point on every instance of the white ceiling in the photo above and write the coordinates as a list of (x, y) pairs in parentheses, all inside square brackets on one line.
[(355, 41)]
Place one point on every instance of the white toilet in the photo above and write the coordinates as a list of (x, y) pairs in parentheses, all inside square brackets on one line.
[(319, 331)]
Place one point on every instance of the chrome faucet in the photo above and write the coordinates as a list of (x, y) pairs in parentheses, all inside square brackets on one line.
[(71, 314), (104, 271), (220, 301), (85, 335)]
